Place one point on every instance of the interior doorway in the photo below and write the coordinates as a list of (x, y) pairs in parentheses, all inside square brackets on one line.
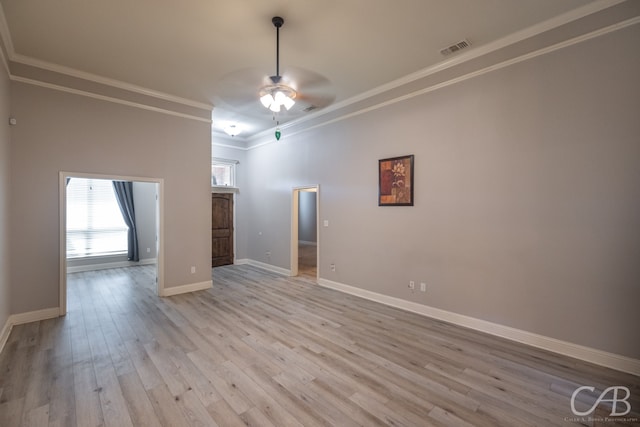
[(149, 192), (305, 239)]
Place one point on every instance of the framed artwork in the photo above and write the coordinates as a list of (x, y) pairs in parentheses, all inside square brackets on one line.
[(395, 181)]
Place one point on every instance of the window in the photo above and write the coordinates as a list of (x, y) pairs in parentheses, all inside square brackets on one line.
[(94, 222), (223, 172)]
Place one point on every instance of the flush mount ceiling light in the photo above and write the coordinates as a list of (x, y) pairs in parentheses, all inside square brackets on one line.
[(232, 129), (276, 95)]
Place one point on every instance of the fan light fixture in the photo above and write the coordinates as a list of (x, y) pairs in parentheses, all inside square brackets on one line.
[(277, 95)]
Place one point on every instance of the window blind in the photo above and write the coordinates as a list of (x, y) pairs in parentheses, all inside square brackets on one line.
[(94, 222), (223, 172)]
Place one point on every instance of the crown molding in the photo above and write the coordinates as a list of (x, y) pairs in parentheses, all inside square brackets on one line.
[(221, 139), (6, 50), (106, 98), (235, 147), (223, 135), (5, 34), (474, 53), (72, 72), (497, 66), (5, 63), (263, 138), (508, 40), (12, 56)]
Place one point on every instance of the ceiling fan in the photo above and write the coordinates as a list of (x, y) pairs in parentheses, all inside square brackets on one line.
[(253, 95), (276, 95)]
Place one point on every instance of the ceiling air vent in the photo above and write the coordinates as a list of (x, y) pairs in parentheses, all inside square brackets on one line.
[(463, 44)]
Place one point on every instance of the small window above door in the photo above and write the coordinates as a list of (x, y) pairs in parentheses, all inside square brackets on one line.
[(223, 173)]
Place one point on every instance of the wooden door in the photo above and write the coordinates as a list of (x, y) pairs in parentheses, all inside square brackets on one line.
[(221, 229)]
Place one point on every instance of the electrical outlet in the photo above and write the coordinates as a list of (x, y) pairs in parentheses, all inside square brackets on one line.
[(268, 254), (412, 284), (333, 267), (193, 269), (423, 287)]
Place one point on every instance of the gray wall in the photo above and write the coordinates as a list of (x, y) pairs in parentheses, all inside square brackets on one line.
[(527, 196), (58, 131), (5, 136), (144, 199), (307, 217)]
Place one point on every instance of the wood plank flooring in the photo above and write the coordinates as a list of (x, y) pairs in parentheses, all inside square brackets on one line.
[(307, 259), (264, 350)]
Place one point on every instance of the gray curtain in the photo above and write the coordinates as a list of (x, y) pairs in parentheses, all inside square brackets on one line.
[(124, 195)]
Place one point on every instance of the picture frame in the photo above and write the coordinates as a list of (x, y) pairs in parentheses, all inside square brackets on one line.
[(395, 181)]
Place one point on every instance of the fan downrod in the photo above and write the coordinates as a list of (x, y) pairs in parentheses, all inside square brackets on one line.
[(277, 21)]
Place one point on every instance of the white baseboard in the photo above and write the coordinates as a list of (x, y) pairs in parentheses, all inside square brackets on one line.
[(183, 289), (34, 316), (19, 319), (108, 265), (269, 267), (263, 265), (599, 357)]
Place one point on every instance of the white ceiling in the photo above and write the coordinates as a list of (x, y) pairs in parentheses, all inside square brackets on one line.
[(200, 49)]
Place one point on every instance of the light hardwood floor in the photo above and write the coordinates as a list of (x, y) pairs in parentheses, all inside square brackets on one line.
[(307, 260), (264, 350)]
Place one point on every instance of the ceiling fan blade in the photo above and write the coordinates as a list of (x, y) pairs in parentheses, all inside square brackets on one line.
[(309, 103), (314, 90), (239, 91), (240, 88)]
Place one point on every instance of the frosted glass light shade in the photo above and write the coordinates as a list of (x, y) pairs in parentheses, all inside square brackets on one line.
[(274, 97)]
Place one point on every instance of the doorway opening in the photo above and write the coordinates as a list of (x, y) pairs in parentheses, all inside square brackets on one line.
[(80, 247), (305, 236)]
